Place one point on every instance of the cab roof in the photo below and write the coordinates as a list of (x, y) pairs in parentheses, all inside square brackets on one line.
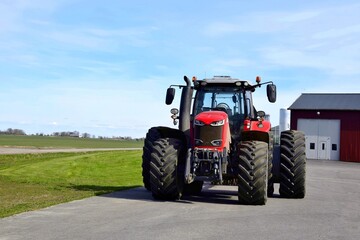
[(221, 80)]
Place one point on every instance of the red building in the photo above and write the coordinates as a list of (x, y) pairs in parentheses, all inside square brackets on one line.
[(331, 123)]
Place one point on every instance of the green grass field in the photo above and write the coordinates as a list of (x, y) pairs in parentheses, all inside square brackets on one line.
[(66, 142), (34, 181)]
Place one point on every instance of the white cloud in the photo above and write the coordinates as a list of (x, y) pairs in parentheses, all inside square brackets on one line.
[(298, 16), (98, 39), (338, 32), (324, 39), (12, 12), (259, 22), (339, 61)]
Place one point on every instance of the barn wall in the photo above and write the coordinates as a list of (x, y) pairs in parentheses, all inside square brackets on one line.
[(349, 129)]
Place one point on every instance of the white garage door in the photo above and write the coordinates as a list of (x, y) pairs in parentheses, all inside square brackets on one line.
[(322, 138)]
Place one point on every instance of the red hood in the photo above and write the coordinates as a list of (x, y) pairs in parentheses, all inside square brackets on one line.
[(211, 116)]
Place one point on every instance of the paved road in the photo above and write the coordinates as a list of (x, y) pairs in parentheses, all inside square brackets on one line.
[(21, 150), (331, 210)]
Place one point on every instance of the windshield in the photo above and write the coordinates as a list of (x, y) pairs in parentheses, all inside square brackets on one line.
[(227, 99), (233, 101)]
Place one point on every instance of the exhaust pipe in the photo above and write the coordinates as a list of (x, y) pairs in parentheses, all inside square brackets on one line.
[(185, 106)]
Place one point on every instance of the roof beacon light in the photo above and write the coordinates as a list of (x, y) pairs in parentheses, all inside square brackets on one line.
[(258, 79)]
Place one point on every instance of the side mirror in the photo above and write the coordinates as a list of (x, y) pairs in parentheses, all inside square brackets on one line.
[(271, 92), (234, 99), (170, 94)]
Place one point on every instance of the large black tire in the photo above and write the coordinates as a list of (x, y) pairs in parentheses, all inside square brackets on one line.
[(252, 168), (270, 189), (292, 164), (152, 135), (165, 180)]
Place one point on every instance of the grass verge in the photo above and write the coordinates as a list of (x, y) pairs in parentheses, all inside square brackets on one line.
[(34, 181)]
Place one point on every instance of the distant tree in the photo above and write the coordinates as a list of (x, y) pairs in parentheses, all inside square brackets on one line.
[(18, 132), (86, 135), (11, 131)]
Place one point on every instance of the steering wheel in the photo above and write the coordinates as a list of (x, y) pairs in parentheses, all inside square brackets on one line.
[(223, 105)]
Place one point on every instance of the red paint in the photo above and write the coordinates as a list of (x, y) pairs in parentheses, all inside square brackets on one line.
[(247, 125), (262, 126), (210, 117)]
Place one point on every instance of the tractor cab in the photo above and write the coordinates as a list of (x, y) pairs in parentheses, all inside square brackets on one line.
[(223, 93), (227, 95)]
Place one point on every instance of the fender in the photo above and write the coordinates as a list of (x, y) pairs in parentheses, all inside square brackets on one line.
[(166, 132), (255, 136), (261, 125)]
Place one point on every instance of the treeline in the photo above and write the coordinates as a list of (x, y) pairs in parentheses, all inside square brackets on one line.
[(70, 134), (75, 134), (11, 131), (122, 138)]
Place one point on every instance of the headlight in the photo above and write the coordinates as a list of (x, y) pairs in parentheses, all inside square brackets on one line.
[(198, 123), (174, 111), (198, 142), (218, 123), (216, 143)]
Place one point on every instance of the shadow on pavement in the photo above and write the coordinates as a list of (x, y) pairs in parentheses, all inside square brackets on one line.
[(102, 190), (214, 195), (209, 194), (138, 193)]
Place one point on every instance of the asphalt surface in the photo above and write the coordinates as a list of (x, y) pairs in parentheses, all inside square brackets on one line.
[(330, 210)]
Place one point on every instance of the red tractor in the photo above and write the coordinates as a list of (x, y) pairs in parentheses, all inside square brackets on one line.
[(224, 140)]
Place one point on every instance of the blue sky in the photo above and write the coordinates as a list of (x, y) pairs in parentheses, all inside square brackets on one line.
[(102, 67)]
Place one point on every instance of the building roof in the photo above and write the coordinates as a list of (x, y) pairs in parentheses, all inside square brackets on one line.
[(327, 101)]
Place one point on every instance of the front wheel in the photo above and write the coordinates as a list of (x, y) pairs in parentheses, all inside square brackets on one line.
[(166, 181), (252, 168), (152, 135)]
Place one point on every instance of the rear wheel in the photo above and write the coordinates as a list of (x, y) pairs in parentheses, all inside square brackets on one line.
[(292, 164), (270, 188), (166, 181), (252, 170)]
